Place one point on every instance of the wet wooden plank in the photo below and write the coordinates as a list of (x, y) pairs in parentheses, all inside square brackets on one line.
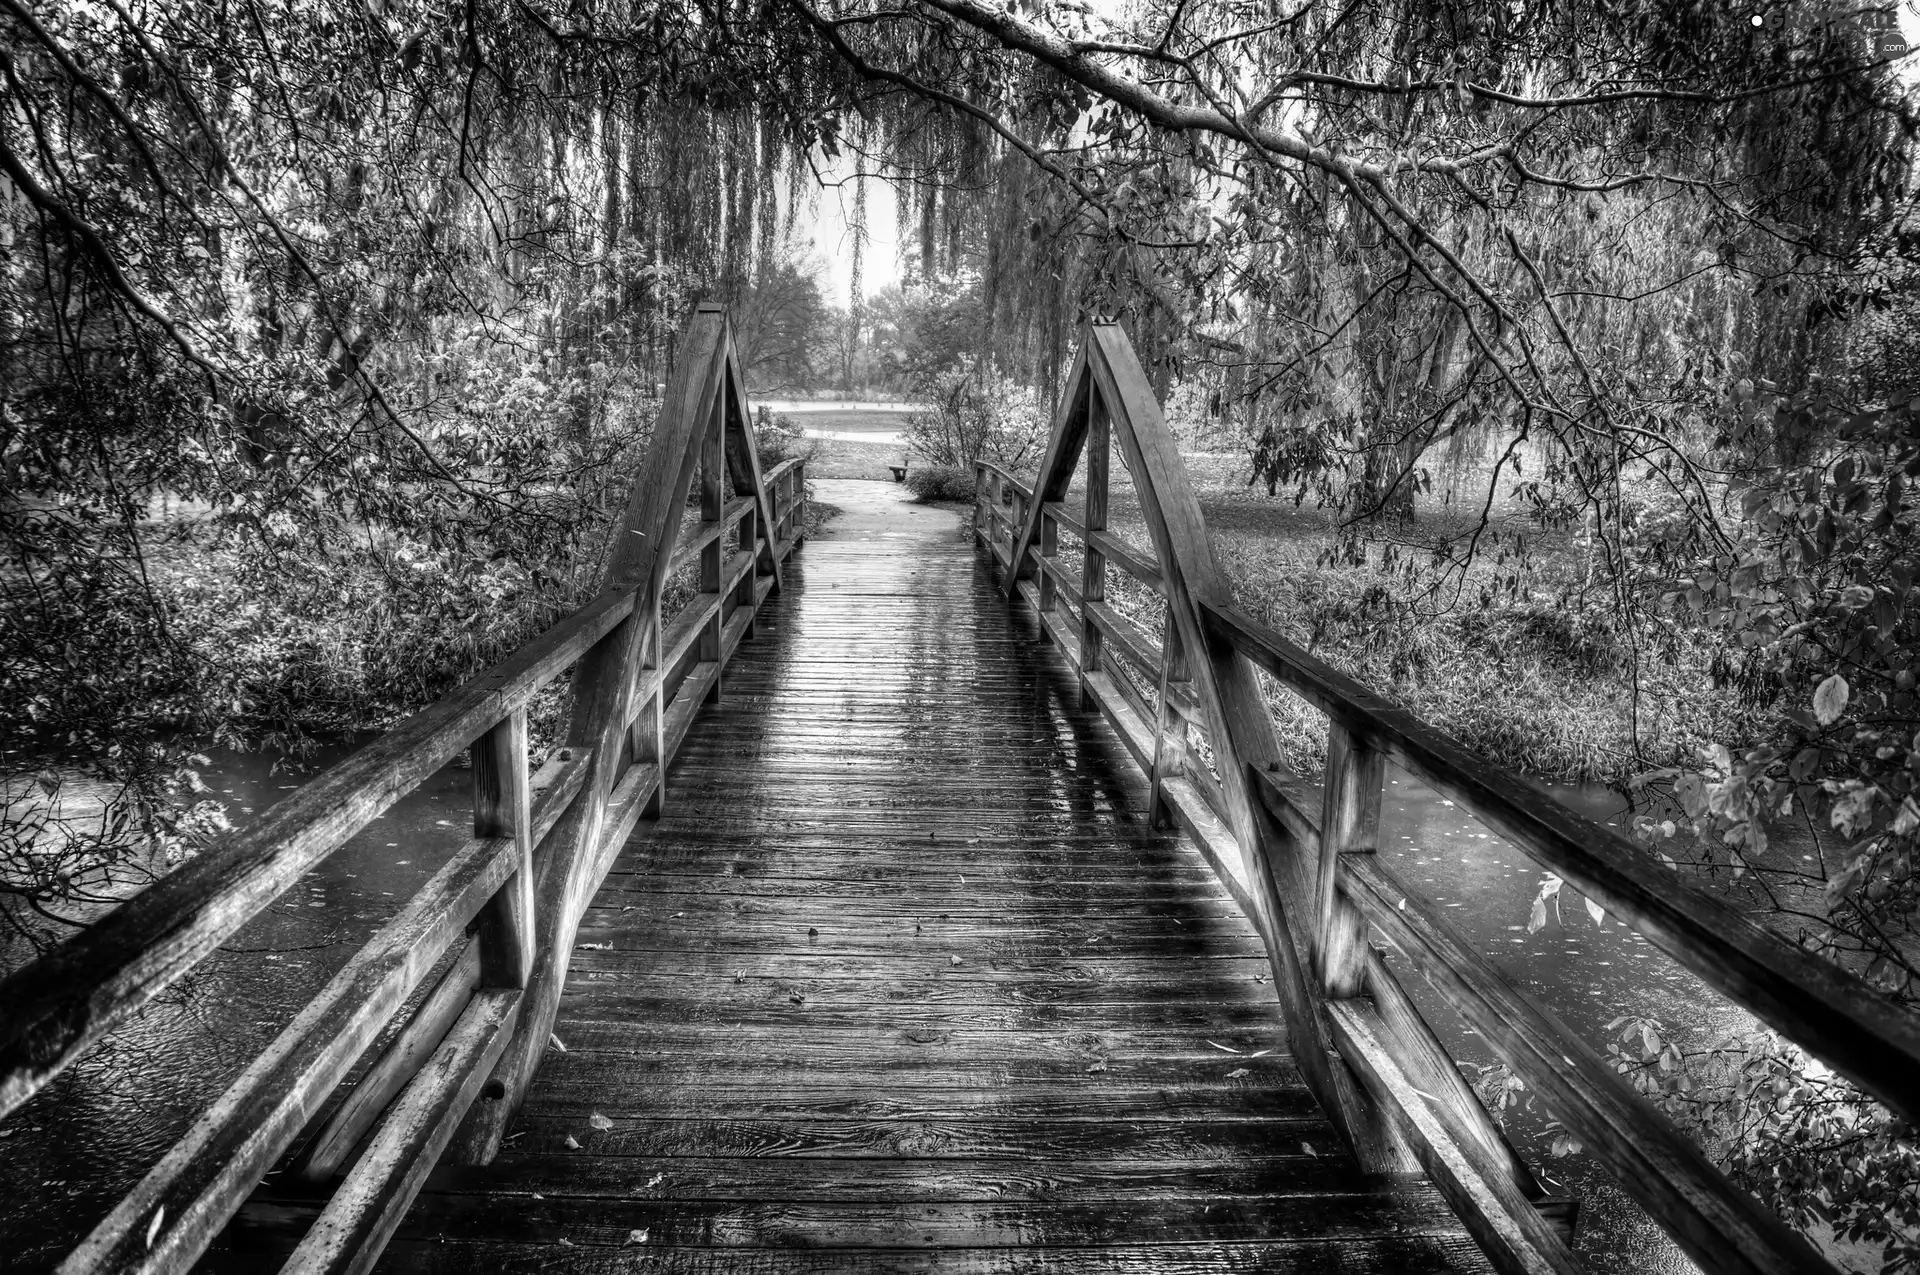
[(903, 976), (1405, 1255), (606, 1219)]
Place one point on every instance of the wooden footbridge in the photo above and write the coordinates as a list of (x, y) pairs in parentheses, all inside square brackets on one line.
[(903, 905)]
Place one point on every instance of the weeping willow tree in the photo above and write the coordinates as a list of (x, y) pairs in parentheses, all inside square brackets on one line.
[(1389, 231), (328, 335)]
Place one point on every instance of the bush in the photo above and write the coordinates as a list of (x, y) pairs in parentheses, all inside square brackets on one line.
[(941, 482), (778, 437)]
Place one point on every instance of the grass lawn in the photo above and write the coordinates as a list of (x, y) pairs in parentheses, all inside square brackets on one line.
[(853, 422), (1536, 676), (837, 458)]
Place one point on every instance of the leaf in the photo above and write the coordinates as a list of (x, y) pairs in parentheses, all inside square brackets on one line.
[(153, 1227), (1226, 1049), (599, 1121), (553, 1038), (1853, 809), (1537, 918), (1236, 1073), (1598, 913), (637, 1236), (1308, 1148), (1830, 700), (572, 1143)]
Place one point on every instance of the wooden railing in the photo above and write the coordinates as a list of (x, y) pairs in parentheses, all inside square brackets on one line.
[(495, 925), (1303, 866)]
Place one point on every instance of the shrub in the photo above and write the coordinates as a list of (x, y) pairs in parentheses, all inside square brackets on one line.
[(941, 482), (778, 437)]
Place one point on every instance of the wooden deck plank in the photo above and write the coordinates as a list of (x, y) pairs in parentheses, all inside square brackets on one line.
[(903, 979)]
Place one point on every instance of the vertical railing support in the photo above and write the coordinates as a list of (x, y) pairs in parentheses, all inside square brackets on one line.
[(1049, 549), (713, 507), (646, 738), (747, 540), (1356, 777), (1169, 747), (503, 807), (1093, 576)]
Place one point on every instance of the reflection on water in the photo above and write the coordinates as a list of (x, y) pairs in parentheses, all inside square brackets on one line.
[(1586, 972), (83, 1142)]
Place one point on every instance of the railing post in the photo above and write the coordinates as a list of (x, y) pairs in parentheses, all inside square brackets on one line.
[(645, 737), (747, 540), (1093, 578), (799, 474), (503, 807), (1049, 548), (713, 507), (1349, 824), (1169, 752)]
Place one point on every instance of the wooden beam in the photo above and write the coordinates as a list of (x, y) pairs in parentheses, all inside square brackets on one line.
[(1056, 467), (327, 1153), (642, 550), (1356, 776), (166, 1222), (1241, 733), (503, 807), (56, 1008), (353, 1230), (743, 460), (1722, 1228), (1831, 1013), (1512, 1235)]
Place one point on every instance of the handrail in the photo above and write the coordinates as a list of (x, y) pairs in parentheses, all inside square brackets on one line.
[(1303, 866), (498, 917), (1857, 1031)]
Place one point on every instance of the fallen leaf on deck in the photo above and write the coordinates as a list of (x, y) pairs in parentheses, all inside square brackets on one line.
[(637, 1237), (1260, 1053), (656, 1180), (954, 959), (1308, 1148), (153, 1227), (599, 1121), (553, 1038), (1223, 1048), (1099, 1066), (1236, 1073), (573, 1143), (565, 1242)]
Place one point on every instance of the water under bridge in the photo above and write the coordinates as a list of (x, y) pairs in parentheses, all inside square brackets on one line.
[(907, 902)]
